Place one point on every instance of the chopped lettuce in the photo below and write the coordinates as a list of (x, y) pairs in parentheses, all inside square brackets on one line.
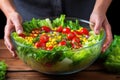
[(36, 23), (93, 39), (74, 25), (3, 68), (20, 40), (112, 55), (59, 21)]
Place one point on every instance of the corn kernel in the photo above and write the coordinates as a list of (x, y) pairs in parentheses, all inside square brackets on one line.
[(54, 28), (43, 33), (53, 40), (50, 39), (72, 30), (35, 35)]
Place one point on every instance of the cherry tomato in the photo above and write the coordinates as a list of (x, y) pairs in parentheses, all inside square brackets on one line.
[(84, 31), (75, 40), (49, 48), (76, 43), (44, 38), (66, 30), (40, 44), (22, 35), (77, 32), (76, 46), (59, 29), (71, 35), (46, 29), (62, 43)]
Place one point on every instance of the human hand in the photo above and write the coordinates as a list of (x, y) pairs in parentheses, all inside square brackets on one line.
[(100, 21), (14, 22)]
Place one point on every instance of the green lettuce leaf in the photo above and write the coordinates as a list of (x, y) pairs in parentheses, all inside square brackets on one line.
[(3, 68)]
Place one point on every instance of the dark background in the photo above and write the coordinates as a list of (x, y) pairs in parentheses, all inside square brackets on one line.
[(113, 15), (2, 24)]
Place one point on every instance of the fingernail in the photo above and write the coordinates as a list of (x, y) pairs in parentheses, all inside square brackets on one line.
[(97, 31), (19, 31), (13, 54)]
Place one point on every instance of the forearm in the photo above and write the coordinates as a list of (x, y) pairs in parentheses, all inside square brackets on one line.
[(7, 7), (101, 6)]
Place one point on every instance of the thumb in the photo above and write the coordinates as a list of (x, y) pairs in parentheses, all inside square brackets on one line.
[(97, 27), (18, 25), (19, 29)]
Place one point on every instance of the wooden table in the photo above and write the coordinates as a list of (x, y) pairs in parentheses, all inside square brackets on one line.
[(17, 70)]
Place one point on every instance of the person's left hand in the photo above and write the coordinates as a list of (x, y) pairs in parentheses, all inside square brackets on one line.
[(14, 23), (100, 21)]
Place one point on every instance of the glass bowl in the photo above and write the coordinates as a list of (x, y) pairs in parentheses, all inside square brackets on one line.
[(66, 61)]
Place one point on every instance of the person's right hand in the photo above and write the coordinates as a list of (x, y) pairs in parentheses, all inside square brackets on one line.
[(99, 19), (14, 22)]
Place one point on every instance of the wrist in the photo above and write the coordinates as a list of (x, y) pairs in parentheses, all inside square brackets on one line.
[(7, 7), (101, 6), (11, 13)]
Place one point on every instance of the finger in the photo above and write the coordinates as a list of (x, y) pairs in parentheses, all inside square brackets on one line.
[(7, 39), (109, 37), (97, 27), (18, 24), (92, 25), (12, 51)]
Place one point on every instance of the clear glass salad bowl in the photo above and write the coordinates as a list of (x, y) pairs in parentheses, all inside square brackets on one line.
[(59, 61)]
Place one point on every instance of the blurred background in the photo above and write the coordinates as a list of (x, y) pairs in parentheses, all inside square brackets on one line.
[(113, 15), (2, 24)]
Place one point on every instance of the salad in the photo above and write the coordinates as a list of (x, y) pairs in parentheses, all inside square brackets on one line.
[(57, 45), (3, 70)]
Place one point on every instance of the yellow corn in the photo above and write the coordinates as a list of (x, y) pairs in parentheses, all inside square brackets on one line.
[(35, 35), (53, 40), (43, 33), (59, 37), (50, 39), (29, 39), (54, 28), (72, 30), (84, 39), (79, 29)]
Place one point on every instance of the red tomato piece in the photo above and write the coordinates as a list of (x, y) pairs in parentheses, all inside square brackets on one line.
[(76, 46), (49, 48), (66, 30), (46, 29), (77, 32), (22, 35), (59, 29), (40, 44), (62, 43), (71, 35), (76, 43), (75, 40), (44, 38), (84, 31)]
